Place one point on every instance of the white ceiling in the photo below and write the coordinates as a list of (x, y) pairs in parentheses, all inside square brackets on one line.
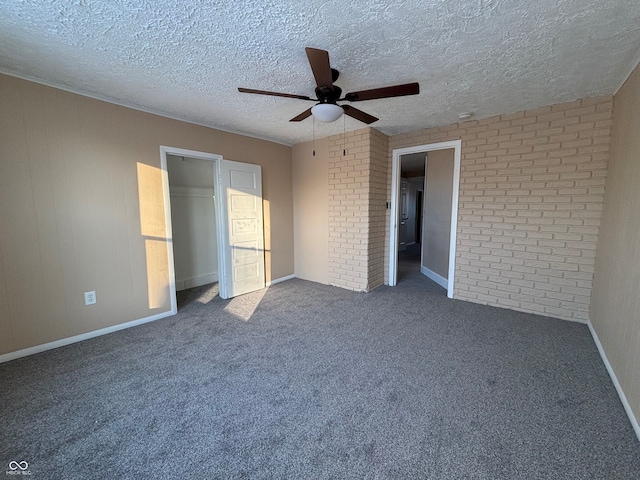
[(185, 59)]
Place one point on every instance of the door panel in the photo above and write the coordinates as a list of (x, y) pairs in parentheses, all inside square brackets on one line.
[(243, 253)]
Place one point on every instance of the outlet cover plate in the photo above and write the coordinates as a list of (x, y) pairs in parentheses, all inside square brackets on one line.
[(89, 298)]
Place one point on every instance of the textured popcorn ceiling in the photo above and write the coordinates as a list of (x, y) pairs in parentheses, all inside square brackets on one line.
[(186, 58)]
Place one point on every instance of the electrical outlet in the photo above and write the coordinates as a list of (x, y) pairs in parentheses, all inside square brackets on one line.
[(89, 298)]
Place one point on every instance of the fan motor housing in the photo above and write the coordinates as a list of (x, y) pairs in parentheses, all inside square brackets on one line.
[(326, 95)]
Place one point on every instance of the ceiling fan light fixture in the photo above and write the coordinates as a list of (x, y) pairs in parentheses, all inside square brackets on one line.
[(328, 94), (327, 112)]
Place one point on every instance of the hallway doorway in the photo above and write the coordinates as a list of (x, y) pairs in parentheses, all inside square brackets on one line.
[(439, 214)]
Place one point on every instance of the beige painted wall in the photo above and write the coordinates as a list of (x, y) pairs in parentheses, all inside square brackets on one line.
[(415, 184), (615, 301), (194, 240), (531, 196), (437, 216), (82, 209), (311, 210)]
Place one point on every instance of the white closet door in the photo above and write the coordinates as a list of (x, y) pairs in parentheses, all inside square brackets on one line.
[(243, 248)]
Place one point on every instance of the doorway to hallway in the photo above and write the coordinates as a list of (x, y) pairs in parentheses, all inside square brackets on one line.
[(439, 214)]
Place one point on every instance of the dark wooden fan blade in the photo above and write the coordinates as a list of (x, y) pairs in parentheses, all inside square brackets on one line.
[(385, 92), (319, 61), (302, 116), (274, 94), (359, 114)]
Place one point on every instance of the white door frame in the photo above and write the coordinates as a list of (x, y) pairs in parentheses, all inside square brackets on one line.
[(395, 196), (214, 158)]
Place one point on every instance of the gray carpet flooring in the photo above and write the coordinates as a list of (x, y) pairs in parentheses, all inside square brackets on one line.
[(302, 380)]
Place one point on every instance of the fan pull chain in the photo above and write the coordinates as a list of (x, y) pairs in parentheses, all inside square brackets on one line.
[(313, 122), (344, 136)]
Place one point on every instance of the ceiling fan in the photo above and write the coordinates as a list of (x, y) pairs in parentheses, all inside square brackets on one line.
[(327, 110)]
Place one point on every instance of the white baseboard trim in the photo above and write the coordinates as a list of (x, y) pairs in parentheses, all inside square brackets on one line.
[(279, 280), (196, 281), (7, 357), (439, 279), (614, 379)]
